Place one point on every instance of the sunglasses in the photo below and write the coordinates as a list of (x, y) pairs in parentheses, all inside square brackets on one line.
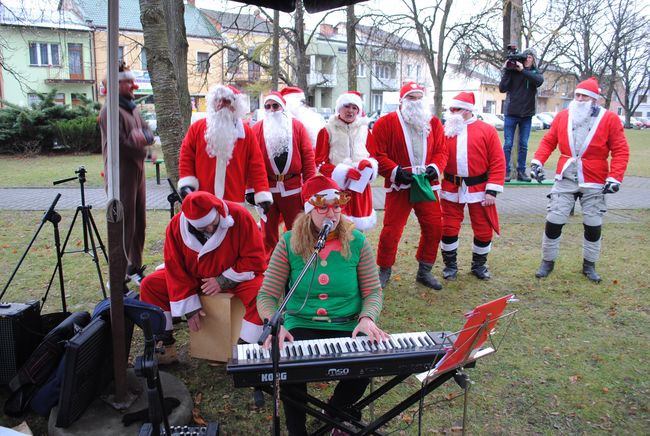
[(273, 105), (453, 110)]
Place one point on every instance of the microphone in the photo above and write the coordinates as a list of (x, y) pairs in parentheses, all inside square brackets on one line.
[(328, 225)]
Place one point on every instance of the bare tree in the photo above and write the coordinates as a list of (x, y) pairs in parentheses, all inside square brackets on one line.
[(176, 36), (351, 35), (275, 53), (163, 81)]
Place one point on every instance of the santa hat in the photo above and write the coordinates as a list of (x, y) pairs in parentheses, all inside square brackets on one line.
[(349, 97), (589, 88), (410, 88), (464, 100), (289, 90), (276, 97), (201, 208), (317, 189)]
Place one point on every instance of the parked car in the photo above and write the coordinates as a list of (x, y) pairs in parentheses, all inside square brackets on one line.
[(491, 119), (150, 118), (546, 120), (636, 123), (645, 121), (536, 123)]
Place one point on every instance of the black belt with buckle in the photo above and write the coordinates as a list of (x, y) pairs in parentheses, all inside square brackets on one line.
[(469, 181), (281, 177)]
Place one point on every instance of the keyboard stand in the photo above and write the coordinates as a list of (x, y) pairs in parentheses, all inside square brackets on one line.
[(334, 417)]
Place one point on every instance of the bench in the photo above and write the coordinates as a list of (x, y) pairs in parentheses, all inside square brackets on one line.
[(157, 163)]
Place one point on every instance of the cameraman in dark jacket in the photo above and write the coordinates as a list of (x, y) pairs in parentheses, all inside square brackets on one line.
[(520, 83)]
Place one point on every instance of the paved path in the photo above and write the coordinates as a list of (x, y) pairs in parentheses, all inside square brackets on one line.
[(514, 200)]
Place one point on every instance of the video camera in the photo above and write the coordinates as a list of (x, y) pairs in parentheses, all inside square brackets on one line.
[(513, 57)]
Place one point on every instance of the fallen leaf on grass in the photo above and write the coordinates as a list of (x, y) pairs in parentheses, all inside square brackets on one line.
[(574, 379), (197, 418), (407, 418), (605, 390), (197, 398), (456, 428), (547, 349)]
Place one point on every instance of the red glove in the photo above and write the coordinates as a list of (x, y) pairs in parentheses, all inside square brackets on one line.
[(353, 174), (364, 164)]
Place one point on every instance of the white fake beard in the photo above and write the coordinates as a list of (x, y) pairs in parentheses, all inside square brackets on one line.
[(277, 126), (454, 124), (580, 111), (221, 134), (417, 114)]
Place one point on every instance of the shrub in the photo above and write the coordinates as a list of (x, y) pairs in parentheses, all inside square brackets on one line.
[(79, 134)]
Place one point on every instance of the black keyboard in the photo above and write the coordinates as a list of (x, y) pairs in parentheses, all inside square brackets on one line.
[(339, 358)]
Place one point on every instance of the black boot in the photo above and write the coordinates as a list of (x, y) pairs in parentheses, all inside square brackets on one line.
[(545, 268), (450, 270), (522, 177), (589, 270), (425, 277), (479, 267), (384, 276)]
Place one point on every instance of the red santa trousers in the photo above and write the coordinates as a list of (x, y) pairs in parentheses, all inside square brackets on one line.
[(153, 290), (396, 214), (287, 208), (454, 213)]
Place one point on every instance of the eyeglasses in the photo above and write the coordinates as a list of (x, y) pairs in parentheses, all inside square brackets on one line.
[(275, 106), (336, 208), (453, 110)]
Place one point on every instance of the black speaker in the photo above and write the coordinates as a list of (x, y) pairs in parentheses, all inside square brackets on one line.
[(20, 333)]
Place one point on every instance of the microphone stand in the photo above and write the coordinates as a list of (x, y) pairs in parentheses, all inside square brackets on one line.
[(272, 327)]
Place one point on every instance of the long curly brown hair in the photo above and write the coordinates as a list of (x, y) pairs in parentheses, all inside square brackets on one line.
[(304, 235)]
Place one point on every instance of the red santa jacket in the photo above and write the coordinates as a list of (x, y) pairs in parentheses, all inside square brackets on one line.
[(300, 162), (474, 152), (246, 167), (236, 251), (606, 136), (392, 149)]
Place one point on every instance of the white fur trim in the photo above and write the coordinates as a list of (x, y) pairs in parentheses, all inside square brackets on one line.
[(190, 181), (349, 98), (494, 187), (612, 179), (363, 224), (462, 105), (481, 250), (412, 91), (339, 175), (159, 267), (263, 196), (330, 194), (126, 75), (462, 196), (587, 93), (538, 162), (449, 247), (375, 168), (250, 332), (239, 277), (186, 305), (204, 221)]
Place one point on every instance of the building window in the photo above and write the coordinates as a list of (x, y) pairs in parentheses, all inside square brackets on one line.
[(202, 62), (76, 99), (254, 70), (143, 58), (418, 73), (620, 111), (343, 49), (643, 99), (409, 70), (42, 53), (233, 57), (376, 102), (33, 99), (384, 71), (361, 70), (120, 54), (59, 98)]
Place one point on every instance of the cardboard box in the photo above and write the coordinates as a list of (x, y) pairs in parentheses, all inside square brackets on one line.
[(219, 328)]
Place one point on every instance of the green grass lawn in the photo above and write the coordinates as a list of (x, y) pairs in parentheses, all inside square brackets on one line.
[(43, 170), (572, 363)]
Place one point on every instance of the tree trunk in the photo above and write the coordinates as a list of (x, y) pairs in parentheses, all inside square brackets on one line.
[(163, 81), (302, 60), (351, 34), (176, 36), (275, 53)]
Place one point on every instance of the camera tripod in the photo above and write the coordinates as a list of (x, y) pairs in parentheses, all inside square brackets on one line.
[(89, 228)]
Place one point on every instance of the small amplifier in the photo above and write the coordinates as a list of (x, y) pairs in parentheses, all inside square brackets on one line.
[(20, 333)]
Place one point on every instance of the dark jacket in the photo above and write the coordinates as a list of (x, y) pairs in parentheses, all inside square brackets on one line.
[(521, 90)]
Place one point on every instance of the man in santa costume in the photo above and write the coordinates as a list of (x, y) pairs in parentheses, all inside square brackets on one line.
[(289, 159), (296, 106), (475, 173), (586, 134), (342, 154), (220, 154), (212, 246), (410, 142)]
